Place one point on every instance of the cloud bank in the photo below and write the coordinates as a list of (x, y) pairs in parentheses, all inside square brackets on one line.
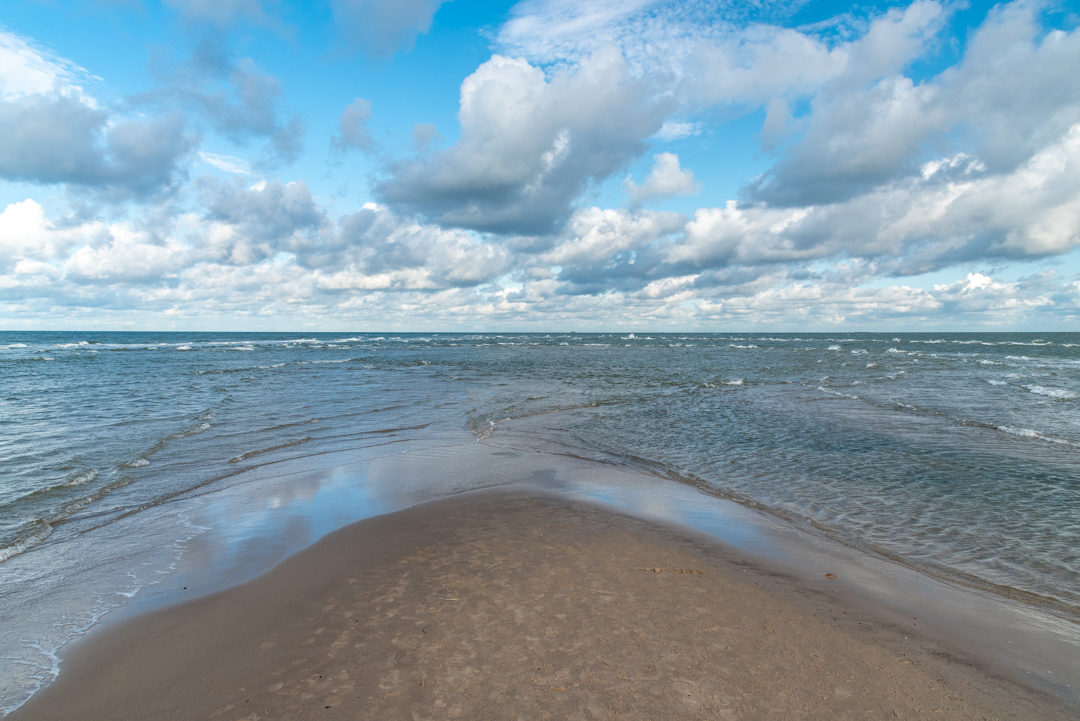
[(907, 176)]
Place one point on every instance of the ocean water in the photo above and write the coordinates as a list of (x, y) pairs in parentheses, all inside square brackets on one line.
[(955, 454)]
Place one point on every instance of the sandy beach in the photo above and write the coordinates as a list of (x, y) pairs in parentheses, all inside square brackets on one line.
[(510, 604)]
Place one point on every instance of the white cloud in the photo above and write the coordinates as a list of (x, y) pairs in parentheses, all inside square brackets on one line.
[(1010, 97), (665, 179), (675, 130), (27, 70), (595, 235), (529, 144), (52, 131), (128, 255), (232, 96), (877, 174), (714, 52), (352, 129), (914, 224), (226, 163), (26, 235)]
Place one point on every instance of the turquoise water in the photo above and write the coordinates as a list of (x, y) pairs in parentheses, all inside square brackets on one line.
[(958, 454)]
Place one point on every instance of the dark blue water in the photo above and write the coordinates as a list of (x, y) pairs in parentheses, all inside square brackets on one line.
[(958, 454)]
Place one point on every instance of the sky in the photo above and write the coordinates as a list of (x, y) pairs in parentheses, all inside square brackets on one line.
[(431, 165)]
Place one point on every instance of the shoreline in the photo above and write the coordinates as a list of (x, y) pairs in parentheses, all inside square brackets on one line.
[(500, 601)]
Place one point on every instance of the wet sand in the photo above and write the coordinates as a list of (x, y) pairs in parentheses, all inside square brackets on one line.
[(511, 604)]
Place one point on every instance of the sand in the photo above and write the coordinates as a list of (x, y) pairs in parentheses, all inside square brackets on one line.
[(516, 605)]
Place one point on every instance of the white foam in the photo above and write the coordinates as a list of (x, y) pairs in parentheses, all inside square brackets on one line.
[(1031, 433), (996, 382), (832, 392), (199, 428), (137, 463), (29, 541), (833, 347), (13, 345), (81, 478), (1022, 432), (733, 382), (1056, 393)]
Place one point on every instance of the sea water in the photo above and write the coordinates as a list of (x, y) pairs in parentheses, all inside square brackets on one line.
[(955, 454)]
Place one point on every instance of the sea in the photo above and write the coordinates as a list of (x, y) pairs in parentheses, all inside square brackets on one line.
[(956, 455)]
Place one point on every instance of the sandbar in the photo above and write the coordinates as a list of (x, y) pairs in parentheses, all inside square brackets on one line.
[(516, 604)]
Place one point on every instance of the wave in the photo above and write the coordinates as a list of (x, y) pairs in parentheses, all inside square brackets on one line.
[(1055, 393), (260, 451), (734, 382), (37, 532), (841, 394)]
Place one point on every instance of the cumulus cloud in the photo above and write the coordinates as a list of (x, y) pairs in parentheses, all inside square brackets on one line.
[(389, 251), (603, 249), (51, 131), (381, 268), (955, 214), (269, 210), (424, 134), (665, 179), (877, 174), (868, 122), (234, 97), (382, 28), (1008, 98), (267, 246), (529, 145), (34, 247), (61, 140), (352, 128), (27, 237)]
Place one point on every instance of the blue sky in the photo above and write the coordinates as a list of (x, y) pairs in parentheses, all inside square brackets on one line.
[(544, 164)]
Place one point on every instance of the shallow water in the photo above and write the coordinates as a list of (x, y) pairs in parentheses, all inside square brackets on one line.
[(956, 454)]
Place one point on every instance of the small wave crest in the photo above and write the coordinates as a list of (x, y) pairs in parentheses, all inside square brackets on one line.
[(260, 451), (1056, 393), (841, 394), (719, 384), (36, 532)]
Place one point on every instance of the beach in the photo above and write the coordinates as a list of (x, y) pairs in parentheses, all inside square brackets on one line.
[(514, 603), (921, 484)]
